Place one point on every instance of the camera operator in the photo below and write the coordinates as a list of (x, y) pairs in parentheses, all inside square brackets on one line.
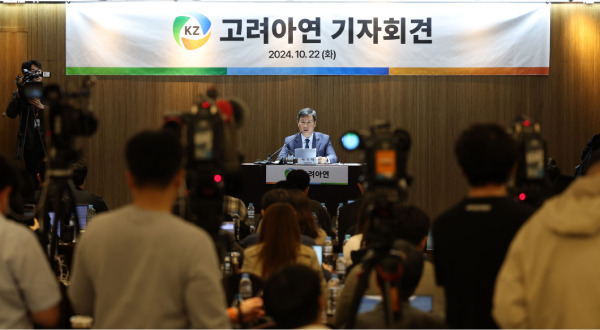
[(30, 138)]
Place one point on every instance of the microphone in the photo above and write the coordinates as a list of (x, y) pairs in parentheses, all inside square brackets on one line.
[(269, 159)]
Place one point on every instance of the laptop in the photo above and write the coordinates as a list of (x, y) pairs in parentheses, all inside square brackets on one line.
[(319, 251), (306, 156), (81, 210), (423, 303), (228, 226)]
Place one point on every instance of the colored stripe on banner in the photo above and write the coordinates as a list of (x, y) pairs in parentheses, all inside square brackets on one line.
[(307, 71), (469, 71), (147, 71)]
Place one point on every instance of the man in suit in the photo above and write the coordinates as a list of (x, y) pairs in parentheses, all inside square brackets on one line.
[(308, 138)]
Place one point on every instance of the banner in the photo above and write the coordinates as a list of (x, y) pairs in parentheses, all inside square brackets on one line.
[(299, 38)]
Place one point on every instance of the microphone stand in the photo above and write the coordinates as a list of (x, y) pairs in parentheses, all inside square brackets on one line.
[(269, 159)]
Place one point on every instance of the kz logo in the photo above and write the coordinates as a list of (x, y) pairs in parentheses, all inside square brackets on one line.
[(191, 30)]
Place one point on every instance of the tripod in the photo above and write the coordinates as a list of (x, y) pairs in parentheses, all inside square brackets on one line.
[(58, 198), (22, 134), (390, 269)]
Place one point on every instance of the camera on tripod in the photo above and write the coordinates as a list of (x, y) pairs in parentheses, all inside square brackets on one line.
[(209, 137), (69, 117), (530, 179), (30, 88), (385, 155)]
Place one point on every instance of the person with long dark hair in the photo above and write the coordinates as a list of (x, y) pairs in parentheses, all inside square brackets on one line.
[(308, 226), (279, 244)]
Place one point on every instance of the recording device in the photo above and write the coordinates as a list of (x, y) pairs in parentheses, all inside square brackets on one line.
[(386, 183), (530, 182), (213, 164), (31, 89), (69, 116), (385, 155)]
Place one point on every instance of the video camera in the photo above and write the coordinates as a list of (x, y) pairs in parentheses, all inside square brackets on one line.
[(530, 180), (386, 185), (69, 116), (213, 164), (31, 89), (385, 155)]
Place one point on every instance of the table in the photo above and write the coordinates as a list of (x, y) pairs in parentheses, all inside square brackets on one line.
[(255, 183)]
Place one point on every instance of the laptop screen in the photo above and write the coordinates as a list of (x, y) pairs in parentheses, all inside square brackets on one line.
[(51, 215), (319, 251), (305, 153), (228, 226), (81, 210)]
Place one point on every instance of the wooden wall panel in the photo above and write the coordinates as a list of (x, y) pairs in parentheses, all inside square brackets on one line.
[(434, 109), (16, 42)]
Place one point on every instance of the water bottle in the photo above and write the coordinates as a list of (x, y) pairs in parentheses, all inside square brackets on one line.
[(246, 286), (328, 251), (251, 222), (346, 239), (316, 219), (236, 225), (340, 268), (91, 212), (226, 267), (333, 287)]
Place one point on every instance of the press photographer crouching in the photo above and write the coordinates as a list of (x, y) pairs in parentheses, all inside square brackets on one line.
[(26, 103)]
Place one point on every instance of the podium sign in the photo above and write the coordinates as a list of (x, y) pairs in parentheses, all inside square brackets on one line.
[(319, 174)]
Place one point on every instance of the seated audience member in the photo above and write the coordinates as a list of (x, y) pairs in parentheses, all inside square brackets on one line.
[(404, 315), (301, 180), (471, 238), (29, 292), (305, 218), (142, 267), (273, 196), (249, 309), (349, 216), (230, 206), (80, 170), (279, 244), (355, 242), (548, 279), (407, 223), (293, 298)]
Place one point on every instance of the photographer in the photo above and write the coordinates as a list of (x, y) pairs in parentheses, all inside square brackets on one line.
[(27, 104)]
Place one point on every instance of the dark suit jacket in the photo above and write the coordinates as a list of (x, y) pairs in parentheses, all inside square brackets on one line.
[(321, 142), (86, 197)]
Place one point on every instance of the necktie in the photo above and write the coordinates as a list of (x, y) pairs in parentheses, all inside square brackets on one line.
[(306, 145)]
